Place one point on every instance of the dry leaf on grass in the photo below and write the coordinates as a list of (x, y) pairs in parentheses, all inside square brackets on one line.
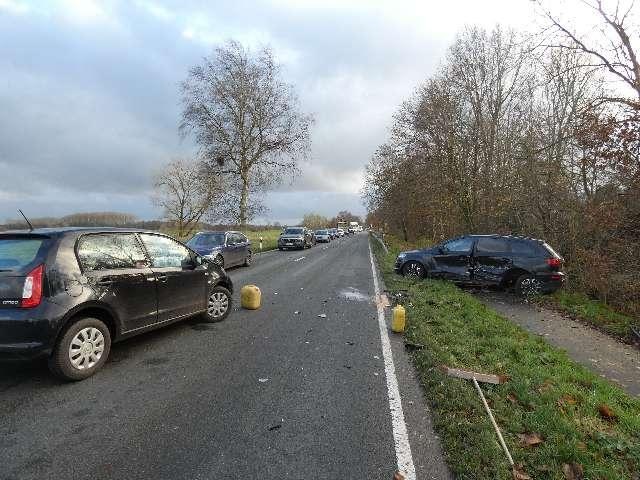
[(512, 398), (546, 385), (518, 473), (573, 471), (567, 400), (607, 413), (530, 439)]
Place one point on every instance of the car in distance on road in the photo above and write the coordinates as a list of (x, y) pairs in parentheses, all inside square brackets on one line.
[(228, 249), (340, 232), (528, 265), (67, 294), (295, 237), (323, 236), (334, 233)]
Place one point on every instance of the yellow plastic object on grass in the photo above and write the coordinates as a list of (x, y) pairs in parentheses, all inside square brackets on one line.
[(398, 320), (250, 297)]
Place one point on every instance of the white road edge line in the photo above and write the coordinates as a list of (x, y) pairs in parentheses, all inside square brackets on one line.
[(400, 435)]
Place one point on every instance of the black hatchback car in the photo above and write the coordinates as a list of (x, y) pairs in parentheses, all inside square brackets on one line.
[(67, 294), (528, 265)]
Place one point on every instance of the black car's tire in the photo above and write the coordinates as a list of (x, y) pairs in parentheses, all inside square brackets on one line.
[(248, 259), (219, 305), (527, 285), (414, 269), (81, 350)]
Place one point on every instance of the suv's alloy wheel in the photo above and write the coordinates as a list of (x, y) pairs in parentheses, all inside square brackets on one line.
[(248, 259), (413, 269), (528, 285), (82, 350)]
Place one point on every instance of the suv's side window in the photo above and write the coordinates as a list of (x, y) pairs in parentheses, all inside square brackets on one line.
[(165, 252), (523, 248), (237, 238), (492, 245), (462, 245), (109, 251)]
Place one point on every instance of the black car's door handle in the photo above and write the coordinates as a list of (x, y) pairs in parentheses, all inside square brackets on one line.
[(104, 281), (162, 278)]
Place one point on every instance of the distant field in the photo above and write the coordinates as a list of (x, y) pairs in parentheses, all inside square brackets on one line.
[(269, 238)]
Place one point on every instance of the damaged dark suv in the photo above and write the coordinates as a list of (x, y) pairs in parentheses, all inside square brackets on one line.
[(528, 265), (67, 294)]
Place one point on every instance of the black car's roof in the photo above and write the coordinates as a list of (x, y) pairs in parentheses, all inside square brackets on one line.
[(496, 235)]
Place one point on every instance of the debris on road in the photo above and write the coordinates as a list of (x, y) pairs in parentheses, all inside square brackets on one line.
[(351, 344), (250, 297), (275, 427), (323, 315), (398, 321), (296, 312), (263, 380)]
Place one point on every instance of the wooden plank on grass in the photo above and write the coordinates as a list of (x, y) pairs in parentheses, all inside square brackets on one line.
[(469, 375)]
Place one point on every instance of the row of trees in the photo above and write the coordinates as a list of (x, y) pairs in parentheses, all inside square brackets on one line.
[(85, 219), (316, 221), (518, 135), (250, 132)]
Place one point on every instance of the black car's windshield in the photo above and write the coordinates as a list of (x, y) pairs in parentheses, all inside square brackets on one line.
[(207, 240), (16, 253), (293, 231)]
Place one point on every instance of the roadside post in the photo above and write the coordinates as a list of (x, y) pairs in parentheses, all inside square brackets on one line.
[(260, 243)]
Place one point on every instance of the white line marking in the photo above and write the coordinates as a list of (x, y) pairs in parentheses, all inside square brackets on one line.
[(298, 259), (400, 436)]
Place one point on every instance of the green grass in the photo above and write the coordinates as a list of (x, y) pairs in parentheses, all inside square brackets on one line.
[(548, 393), (269, 239), (592, 311)]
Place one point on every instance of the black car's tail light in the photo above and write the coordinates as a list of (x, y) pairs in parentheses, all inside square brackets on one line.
[(32, 290)]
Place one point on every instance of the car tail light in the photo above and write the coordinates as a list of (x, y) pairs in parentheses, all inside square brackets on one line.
[(32, 290), (554, 262)]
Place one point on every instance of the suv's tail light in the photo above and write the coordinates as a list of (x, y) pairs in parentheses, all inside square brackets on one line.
[(32, 290), (554, 262)]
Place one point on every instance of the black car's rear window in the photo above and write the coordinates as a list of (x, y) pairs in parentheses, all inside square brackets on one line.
[(525, 248), (16, 253), (294, 231)]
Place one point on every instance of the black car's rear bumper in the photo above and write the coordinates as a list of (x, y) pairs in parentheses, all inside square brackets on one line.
[(551, 281), (28, 333)]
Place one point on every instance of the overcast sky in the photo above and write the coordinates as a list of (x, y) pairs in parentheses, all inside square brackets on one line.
[(89, 103)]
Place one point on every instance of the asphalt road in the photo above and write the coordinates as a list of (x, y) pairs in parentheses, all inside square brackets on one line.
[(269, 394)]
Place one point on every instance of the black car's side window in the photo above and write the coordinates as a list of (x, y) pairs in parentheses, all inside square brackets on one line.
[(165, 252), (462, 245), (492, 245), (109, 251)]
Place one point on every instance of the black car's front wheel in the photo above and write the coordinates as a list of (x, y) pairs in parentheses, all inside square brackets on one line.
[(82, 350), (248, 259), (414, 269), (218, 304)]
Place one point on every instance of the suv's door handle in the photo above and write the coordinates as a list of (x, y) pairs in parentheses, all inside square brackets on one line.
[(104, 281), (162, 278)]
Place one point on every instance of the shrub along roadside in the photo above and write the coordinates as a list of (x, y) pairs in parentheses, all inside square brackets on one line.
[(584, 423)]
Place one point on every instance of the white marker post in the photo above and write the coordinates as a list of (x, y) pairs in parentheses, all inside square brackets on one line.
[(260, 243)]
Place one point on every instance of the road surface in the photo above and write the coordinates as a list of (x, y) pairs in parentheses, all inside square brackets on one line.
[(269, 394)]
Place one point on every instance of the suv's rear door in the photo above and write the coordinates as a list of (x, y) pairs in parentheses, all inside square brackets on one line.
[(491, 260), (118, 271), (182, 284), (452, 262)]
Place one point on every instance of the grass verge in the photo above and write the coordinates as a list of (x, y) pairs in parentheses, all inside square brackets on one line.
[(584, 423), (594, 312)]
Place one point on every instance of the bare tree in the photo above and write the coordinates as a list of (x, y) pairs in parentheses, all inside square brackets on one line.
[(315, 221), (186, 193), (245, 119), (611, 46)]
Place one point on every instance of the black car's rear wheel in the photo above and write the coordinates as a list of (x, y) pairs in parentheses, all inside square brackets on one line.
[(248, 259), (414, 269), (218, 304), (527, 285), (82, 350)]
